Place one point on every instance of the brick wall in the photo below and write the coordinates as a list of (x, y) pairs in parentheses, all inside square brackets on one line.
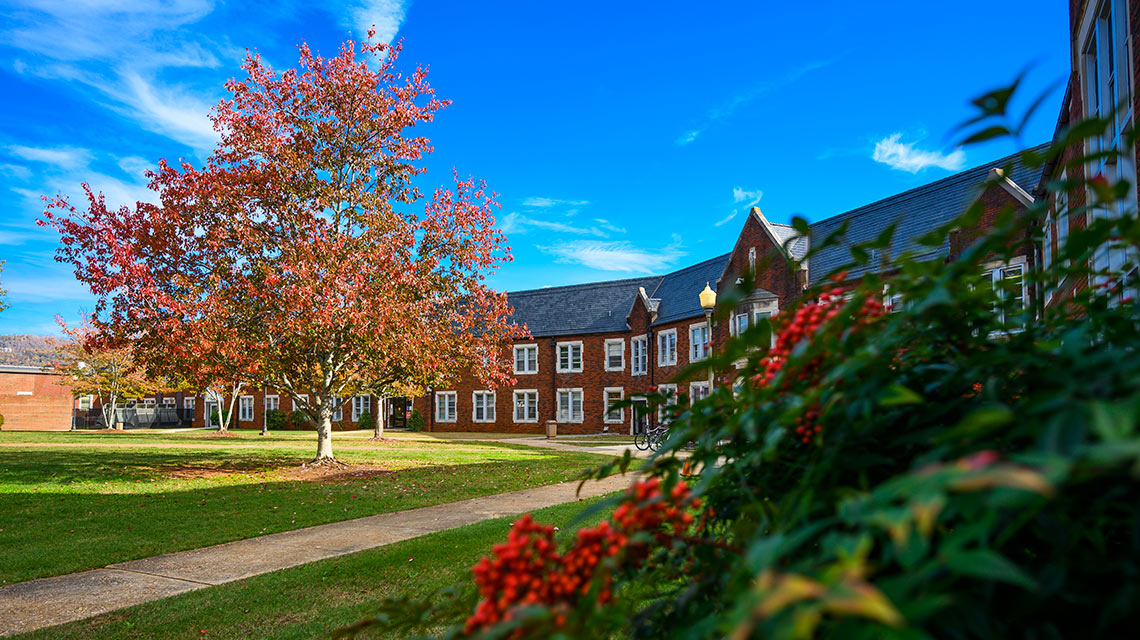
[(34, 401)]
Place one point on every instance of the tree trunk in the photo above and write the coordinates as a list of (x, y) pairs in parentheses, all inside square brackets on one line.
[(324, 433), (109, 412), (378, 421)]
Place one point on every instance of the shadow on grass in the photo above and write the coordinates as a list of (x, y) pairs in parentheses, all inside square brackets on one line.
[(66, 510)]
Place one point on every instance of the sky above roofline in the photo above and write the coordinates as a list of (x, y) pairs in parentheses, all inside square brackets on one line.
[(624, 140)]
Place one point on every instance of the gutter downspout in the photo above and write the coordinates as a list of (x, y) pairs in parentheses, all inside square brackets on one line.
[(553, 378)]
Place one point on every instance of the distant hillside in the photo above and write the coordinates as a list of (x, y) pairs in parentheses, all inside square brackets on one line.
[(25, 349)]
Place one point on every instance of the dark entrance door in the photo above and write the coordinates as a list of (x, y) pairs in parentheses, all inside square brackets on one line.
[(640, 417), (398, 409)]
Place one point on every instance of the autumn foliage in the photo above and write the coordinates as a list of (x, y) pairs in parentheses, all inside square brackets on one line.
[(295, 257)]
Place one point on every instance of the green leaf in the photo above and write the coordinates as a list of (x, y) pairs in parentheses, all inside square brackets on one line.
[(896, 395), (988, 565)]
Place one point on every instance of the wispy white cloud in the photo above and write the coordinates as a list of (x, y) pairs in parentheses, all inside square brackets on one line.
[(171, 111), (386, 15), (728, 108), (748, 197), (609, 226), (619, 256), (513, 222), (725, 220), (62, 157), (896, 154), (546, 203)]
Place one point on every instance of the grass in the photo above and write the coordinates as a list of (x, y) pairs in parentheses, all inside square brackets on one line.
[(316, 599), (95, 502)]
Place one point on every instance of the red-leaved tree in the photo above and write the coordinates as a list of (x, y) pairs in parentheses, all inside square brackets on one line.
[(294, 259)]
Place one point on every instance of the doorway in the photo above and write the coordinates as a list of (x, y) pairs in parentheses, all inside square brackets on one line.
[(639, 416)]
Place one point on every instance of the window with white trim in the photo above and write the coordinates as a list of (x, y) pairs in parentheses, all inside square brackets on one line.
[(245, 408), (300, 406), (615, 354), (752, 260), (338, 409), (612, 396), (272, 403), (569, 357), (148, 403), (526, 405), (446, 406), (526, 358), (667, 409), (168, 403), (698, 342), (667, 348), (482, 406), (570, 405), (1108, 95), (1008, 282), (740, 323), (639, 355), (360, 404), (188, 403), (698, 391), (86, 402)]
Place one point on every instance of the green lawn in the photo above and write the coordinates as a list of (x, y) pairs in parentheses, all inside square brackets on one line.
[(75, 501), (315, 599)]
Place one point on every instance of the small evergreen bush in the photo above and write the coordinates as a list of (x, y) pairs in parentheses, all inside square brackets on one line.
[(416, 421)]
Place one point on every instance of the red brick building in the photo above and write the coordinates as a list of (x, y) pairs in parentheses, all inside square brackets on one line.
[(32, 400), (1103, 74), (594, 344)]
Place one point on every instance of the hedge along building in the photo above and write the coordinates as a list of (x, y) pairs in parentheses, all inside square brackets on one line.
[(598, 343)]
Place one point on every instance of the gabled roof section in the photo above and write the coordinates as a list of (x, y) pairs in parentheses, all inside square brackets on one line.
[(596, 307), (778, 234), (678, 291), (917, 212)]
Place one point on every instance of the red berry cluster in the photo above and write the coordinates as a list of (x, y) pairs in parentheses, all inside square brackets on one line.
[(805, 323), (527, 570)]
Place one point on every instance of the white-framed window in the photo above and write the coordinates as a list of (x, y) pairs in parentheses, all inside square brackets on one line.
[(667, 348), (893, 299), (338, 409), (446, 406), (300, 406), (188, 403), (570, 357), (1108, 95), (615, 354), (1008, 282), (612, 396), (752, 260), (526, 405), (739, 323), (360, 404), (639, 355), (526, 358), (570, 405), (148, 403), (245, 408), (664, 410), (85, 402), (698, 341), (272, 403), (698, 391), (168, 402), (482, 406)]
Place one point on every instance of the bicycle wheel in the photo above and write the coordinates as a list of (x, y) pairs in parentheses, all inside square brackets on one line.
[(641, 441)]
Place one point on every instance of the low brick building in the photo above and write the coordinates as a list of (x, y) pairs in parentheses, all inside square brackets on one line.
[(32, 400), (596, 343)]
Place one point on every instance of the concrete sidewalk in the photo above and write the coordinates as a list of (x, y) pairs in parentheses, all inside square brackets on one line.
[(26, 606)]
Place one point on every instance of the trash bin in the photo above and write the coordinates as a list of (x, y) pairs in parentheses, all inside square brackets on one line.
[(551, 429)]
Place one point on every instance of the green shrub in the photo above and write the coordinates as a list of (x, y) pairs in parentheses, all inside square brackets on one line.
[(276, 420), (216, 417), (416, 421), (299, 420), (365, 421), (945, 471)]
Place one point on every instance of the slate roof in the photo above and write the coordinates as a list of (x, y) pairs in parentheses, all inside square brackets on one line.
[(917, 212), (678, 291), (602, 307), (595, 307), (799, 246)]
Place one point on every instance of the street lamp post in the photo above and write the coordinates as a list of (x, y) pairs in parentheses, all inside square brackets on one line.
[(708, 303)]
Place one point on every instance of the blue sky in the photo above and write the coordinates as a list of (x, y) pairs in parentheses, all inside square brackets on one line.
[(624, 138)]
